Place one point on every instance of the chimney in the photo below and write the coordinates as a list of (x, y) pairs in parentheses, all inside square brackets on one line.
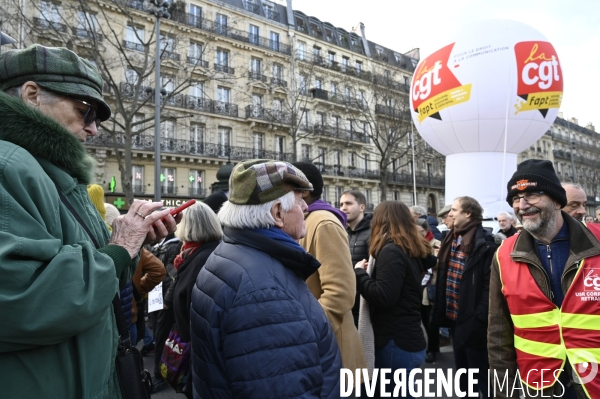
[(364, 39), (290, 13), (574, 121), (560, 115), (591, 127)]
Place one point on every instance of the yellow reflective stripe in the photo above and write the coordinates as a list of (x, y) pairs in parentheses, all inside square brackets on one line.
[(541, 349), (580, 355), (583, 321), (536, 320)]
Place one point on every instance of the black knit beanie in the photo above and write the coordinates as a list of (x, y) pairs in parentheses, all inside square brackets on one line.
[(534, 175)]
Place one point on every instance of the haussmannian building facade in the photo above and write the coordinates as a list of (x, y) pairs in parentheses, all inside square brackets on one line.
[(242, 79)]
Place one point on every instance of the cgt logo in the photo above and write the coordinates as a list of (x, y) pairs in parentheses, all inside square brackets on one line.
[(591, 281)]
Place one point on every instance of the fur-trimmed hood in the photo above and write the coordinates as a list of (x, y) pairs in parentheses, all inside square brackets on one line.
[(43, 137)]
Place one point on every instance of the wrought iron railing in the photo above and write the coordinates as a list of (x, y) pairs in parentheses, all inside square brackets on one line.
[(133, 46), (145, 142), (268, 114), (197, 61), (257, 76), (87, 34), (224, 68), (278, 82), (45, 24), (340, 133)]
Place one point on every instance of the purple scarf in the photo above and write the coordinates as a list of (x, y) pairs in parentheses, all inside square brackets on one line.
[(320, 205)]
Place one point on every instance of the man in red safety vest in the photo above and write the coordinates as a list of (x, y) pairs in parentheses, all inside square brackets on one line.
[(544, 320)]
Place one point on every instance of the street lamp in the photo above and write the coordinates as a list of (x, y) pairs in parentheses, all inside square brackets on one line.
[(159, 11)]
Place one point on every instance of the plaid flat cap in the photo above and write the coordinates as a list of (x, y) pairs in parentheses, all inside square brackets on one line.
[(259, 181), (54, 68)]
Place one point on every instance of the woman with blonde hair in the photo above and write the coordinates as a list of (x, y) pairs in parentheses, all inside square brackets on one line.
[(391, 292)]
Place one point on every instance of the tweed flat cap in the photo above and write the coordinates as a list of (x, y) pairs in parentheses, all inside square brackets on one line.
[(259, 181), (54, 68)]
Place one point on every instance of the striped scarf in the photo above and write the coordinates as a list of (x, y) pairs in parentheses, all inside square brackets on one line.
[(456, 265)]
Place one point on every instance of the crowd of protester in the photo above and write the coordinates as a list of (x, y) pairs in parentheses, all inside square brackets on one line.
[(271, 288)]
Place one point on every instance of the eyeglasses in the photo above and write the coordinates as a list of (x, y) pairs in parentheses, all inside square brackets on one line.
[(91, 114), (530, 198)]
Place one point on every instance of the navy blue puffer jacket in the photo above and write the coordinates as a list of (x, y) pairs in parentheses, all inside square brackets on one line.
[(126, 296), (257, 330)]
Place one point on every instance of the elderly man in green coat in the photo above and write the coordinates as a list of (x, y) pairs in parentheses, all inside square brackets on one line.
[(58, 336)]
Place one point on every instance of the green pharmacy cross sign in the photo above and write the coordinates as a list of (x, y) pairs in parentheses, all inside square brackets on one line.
[(119, 203), (192, 178)]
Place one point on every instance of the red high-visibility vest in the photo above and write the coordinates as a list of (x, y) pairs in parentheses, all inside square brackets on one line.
[(545, 335)]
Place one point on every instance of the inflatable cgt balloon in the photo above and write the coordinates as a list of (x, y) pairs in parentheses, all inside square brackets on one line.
[(481, 99)]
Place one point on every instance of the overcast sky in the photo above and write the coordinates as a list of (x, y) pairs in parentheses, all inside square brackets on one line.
[(573, 27)]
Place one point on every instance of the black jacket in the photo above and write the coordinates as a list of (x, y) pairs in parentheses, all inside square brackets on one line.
[(183, 285), (470, 328), (394, 294), (358, 239), (433, 223)]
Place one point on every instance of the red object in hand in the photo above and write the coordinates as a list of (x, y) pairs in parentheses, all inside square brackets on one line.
[(179, 209), (182, 207)]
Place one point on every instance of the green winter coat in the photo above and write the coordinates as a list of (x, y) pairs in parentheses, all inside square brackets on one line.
[(58, 337)]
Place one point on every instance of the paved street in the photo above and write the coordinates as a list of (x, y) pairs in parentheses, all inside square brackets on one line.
[(444, 362)]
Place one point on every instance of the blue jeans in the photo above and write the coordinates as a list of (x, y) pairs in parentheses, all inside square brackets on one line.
[(392, 357), (148, 339)]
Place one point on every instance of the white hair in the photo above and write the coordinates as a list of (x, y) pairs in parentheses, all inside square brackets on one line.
[(508, 215), (419, 210), (199, 223), (253, 216), (47, 96)]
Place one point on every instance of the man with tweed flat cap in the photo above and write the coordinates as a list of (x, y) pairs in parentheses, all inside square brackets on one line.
[(257, 331), (60, 267), (540, 311)]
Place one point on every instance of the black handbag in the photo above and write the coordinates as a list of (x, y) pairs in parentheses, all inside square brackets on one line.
[(135, 382)]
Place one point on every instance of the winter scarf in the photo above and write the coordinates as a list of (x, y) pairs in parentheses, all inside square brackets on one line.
[(187, 249), (365, 327), (320, 205), (468, 237)]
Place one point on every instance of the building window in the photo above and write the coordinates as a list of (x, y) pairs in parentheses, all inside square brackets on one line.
[(321, 119), (255, 67), (221, 24), (197, 131), (197, 90), (331, 59), (196, 180), (277, 71), (361, 98), (303, 84), (358, 67), (86, 23), (223, 94), (336, 156), (337, 122), (368, 195), (167, 44), (167, 83), (195, 53), (134, 38), (345, 61), (333, 90), (253, 34), (396, 196), (300, 49), (321, 151), (304, 119), (167, 185), (318, 83), (325, 195), (195, 15), (137, 178), (167, 129), (224, 134), (279, 147), (258, 140), (274, 41), (338, 194), (50, 14), (305, 151), (222, 60), (352, 159), (136, 123)]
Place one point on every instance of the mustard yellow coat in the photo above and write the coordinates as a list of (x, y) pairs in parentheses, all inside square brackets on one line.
[(334, 283)]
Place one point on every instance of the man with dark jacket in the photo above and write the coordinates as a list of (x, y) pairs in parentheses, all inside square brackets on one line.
[(543, 288), (353, 204), (462, 288), (257, 330)]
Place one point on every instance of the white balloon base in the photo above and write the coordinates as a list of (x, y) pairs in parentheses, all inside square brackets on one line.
[(481, 175)]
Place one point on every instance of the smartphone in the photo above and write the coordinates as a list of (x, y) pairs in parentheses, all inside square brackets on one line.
[(182, 207)]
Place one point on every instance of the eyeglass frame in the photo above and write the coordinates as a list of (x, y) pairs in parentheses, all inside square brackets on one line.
[(517, 198), (87, 113)]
